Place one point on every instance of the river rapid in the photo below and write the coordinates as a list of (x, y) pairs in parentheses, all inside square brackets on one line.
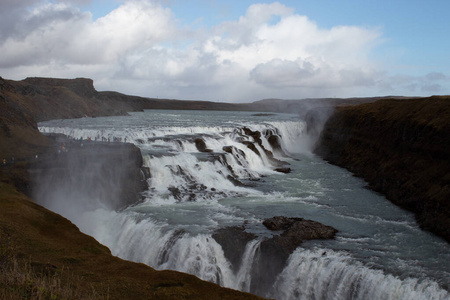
[(378, 253)]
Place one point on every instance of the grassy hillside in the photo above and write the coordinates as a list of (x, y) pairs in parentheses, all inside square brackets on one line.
[(43, 255), (61, 259)]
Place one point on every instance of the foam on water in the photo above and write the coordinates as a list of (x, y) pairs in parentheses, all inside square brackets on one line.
[(327, 274), (380, 253)]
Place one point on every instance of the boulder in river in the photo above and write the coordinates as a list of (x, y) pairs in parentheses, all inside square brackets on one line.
[(201, 145), (274, 252)]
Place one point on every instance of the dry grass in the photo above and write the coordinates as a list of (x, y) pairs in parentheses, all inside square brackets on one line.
[(44, 256), (20, 279)]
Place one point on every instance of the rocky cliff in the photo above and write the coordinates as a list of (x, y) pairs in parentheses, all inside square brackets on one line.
[(50, 247), (402, 149), (93, 174)]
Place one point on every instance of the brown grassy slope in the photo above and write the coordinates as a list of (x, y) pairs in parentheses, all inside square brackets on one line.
[(53, 243), (53, 98), (19, 135), (50, 242), (45, 99), (402, 149)]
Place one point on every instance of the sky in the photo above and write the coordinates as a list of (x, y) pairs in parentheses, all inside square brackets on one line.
[(232, 51)]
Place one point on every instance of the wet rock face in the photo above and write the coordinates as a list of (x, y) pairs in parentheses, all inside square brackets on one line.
[(295, 230), (201, 145), (256, 135), (402, 149), (274, 141), (283, 170), (93, 173), (273, 252), (233, 241)]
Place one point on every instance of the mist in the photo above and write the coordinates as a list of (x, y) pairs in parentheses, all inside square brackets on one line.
[(82, 176)]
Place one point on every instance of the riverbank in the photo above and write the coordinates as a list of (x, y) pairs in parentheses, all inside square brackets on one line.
[(402, 149)]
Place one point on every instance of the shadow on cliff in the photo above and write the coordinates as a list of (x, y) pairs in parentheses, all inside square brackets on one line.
[(402, 149), (81, 176)]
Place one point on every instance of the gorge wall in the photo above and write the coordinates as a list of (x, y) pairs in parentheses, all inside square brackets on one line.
[(402, 149), (109, 172), (92, 174)]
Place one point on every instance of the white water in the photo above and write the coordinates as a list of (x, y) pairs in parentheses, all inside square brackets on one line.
[(319, 274), (379, 253)]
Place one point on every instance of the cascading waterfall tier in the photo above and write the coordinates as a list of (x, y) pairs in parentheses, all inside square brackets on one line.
[(181, 170), (211, 170), (326, 274)]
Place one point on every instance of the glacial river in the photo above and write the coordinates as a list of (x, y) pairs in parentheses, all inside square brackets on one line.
[(378, 253)]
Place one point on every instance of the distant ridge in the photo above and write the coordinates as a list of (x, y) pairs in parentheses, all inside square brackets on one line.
[(36, 99), (54, 98)]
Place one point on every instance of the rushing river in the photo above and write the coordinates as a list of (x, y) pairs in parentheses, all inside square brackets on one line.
[(378, 253)]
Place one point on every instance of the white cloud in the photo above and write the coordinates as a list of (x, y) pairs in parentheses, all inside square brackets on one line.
[(141, 48), (61, 33)]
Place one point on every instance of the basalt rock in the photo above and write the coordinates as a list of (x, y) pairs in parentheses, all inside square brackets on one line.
[(233, 241), (272, 255), (256, 135), (295, 230), (274, 252), (201, 145), (283, 170), (274, 141)]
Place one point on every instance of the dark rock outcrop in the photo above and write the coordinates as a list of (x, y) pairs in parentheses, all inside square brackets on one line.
[(94, 173), (274, 141), (402, 149), (201, 145), (233, 241), (273, 252), (295, 230), (19, 134), (256, 136), (283, 170)]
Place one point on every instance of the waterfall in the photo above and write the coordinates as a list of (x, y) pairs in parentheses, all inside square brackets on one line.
[(180, 172), (327, 274), (161, 247), (216, 173), (243, 277)]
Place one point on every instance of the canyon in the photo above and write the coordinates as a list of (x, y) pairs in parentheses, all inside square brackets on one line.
[(400, 146)]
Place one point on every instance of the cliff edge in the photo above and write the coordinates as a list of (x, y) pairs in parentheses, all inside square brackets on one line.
[(402, 149), (42, 254)]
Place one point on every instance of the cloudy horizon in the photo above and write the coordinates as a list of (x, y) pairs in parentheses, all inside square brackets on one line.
[(151, 49)]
